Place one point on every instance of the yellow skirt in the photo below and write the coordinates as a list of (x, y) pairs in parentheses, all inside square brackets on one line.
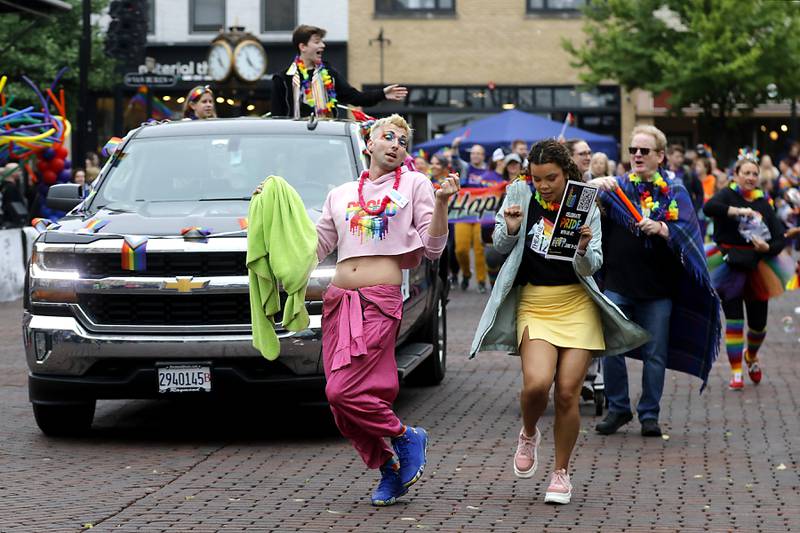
[(563, 315)]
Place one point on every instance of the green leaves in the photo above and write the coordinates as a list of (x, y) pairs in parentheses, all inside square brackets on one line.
[(719, 54), (47, 45)]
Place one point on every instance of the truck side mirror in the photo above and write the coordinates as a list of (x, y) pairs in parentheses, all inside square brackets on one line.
[(64, 196)]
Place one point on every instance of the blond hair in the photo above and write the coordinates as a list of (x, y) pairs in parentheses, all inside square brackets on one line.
[(655, 133), (394, 120)]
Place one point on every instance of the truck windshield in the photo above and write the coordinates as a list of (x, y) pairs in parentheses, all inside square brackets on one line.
[(214, 167)]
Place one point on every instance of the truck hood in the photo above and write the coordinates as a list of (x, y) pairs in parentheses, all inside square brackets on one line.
[(158, 219)]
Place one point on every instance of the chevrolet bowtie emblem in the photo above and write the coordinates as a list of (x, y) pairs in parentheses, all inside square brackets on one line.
[(184, 284)]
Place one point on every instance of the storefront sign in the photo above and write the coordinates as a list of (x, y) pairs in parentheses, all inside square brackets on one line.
[(134, 79), (187, 71)]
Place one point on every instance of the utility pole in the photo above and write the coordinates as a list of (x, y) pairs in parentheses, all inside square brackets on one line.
[(85, 54), (381, 42)]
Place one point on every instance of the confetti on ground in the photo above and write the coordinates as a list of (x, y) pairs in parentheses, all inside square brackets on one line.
[(188, 498), (780, 467), (665, 437), (698, 476), (234, 499), (408, 519), (472, 508), (299, 500), (332, 512)]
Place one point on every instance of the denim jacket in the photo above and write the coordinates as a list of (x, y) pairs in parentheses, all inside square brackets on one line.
[(497, 329)]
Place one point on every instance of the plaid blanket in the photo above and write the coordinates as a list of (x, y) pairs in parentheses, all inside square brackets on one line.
[(695, 324)]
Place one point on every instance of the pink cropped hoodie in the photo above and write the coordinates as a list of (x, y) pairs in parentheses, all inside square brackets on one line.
[(399, 230)]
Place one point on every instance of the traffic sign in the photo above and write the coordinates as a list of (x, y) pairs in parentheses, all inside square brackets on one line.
[(134, 79)]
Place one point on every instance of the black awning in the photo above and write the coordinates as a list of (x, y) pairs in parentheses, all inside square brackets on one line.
[(34, 7)]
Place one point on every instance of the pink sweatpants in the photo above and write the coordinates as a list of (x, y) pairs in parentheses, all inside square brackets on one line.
[(359, 330)]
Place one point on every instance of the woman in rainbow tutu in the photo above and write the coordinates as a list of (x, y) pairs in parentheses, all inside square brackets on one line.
[(748, 270)]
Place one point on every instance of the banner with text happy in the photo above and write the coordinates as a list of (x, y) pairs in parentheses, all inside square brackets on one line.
[(476, 204)]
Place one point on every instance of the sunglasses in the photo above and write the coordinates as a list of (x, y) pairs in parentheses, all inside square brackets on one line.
[(633, 149)]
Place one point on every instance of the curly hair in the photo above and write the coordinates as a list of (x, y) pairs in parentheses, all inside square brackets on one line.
[(552, 151)]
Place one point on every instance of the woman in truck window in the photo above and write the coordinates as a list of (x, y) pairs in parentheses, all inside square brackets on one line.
[(199, 104)]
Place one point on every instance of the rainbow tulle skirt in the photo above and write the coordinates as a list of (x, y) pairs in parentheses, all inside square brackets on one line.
[(771, 277)]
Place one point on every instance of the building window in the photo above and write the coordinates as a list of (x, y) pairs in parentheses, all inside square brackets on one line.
[(207, 15), (151, 17), (410, 7), (278, 15), (539, 6)]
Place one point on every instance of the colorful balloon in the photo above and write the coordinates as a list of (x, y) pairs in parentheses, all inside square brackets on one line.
[(49, 177)]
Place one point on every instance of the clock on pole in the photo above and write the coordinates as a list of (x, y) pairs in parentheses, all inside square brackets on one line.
[(220, 60)]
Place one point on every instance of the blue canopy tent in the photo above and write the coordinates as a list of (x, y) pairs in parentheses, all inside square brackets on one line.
[(501, 129)]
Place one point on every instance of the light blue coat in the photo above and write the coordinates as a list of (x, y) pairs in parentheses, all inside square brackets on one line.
[(497, 329)]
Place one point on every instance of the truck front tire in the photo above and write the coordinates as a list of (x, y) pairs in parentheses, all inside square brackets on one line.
[(432, 370)]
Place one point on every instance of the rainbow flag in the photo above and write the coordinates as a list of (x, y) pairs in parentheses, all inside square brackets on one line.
[(111, 146), (93, 226), (134, 253), (195, 233)]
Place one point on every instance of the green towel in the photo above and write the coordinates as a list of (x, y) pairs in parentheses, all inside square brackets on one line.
[(281, 247)]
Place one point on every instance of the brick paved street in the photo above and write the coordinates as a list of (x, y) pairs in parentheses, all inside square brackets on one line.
[(198, 466)]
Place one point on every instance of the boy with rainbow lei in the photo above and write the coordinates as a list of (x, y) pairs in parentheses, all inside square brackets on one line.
[(311, 87), (655, 271)]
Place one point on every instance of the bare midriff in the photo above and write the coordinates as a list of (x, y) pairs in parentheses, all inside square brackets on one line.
[(366, 271)]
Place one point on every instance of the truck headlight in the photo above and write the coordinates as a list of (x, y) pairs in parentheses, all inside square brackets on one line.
[(51, 277)]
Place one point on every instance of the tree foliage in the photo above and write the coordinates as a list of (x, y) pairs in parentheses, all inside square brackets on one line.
[(718, 54), (39, 47)]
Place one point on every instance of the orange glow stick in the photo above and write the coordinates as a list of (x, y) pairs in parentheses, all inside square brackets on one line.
[(628, 204)]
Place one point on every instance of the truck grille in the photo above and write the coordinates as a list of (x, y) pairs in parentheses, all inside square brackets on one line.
[(167, 310), (166, 264)]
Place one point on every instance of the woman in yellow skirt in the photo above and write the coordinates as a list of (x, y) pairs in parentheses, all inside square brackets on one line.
[(560, 317)]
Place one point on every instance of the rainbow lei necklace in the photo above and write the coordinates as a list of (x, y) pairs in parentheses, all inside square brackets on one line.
[(376, 211), (547, 206), (655, 205), (305, 86), (750, 196)]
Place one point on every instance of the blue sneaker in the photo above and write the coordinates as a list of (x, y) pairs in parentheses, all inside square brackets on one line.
[(389, 488), (411, 448)]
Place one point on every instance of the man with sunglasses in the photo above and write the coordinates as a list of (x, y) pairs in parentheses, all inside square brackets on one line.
[(655, 271)]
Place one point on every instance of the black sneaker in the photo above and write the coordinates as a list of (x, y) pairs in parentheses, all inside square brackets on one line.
[(464, 283), (650, 428), (612, 422)]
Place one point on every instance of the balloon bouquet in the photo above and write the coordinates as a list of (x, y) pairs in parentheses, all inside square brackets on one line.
[(28, 136)]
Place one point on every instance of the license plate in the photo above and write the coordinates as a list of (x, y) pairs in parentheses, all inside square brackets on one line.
[(184, 378)]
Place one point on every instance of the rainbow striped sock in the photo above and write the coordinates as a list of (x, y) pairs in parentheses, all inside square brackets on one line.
[(734, 342), (754, 341)]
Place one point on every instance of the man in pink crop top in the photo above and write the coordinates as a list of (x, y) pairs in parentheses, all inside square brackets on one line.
[(382, 223)]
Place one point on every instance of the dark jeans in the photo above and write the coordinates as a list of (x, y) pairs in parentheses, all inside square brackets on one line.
[(653, 316)]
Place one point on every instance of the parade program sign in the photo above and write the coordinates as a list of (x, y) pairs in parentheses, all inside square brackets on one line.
[(476, 204), (574, 212)]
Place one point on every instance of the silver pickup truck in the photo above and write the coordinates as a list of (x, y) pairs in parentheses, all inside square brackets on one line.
[(141, 291)]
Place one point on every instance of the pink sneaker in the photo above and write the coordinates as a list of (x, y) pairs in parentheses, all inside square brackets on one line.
[(560, 489), (527, 457)]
